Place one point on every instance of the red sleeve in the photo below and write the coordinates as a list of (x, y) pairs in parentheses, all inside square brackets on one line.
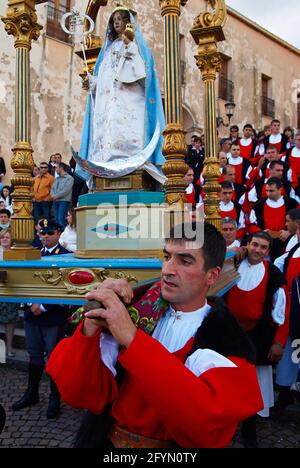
[(197, 411), (282, 332), (82, 379)]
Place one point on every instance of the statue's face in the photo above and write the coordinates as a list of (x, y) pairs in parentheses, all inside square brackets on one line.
[(118, 23)]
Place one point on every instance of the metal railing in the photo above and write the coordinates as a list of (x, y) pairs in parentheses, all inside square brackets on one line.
[(226, 89), (53, 23), (268, 106)]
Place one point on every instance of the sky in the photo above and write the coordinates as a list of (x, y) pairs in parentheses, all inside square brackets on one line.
[(281, 18)]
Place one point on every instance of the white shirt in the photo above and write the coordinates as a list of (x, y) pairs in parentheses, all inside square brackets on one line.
[(69, 237), (173, 331), (251, 277)]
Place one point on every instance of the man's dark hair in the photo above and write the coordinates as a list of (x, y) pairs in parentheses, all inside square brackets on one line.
[(234, 127), (294, 214), (214, 245), (5, 211), (275, 181), (276, 163), (235, 143), (226, 185), (63, 166), (272, 148), (275, 121), (247, 126), (260, 235)]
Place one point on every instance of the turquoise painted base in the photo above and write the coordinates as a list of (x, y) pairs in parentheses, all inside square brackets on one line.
[(120, 224)]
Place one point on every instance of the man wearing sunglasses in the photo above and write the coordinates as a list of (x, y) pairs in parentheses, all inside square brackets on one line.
[(44, 328), (41, 193)]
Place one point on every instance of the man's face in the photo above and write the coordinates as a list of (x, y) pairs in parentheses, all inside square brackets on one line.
[(275, 128), (234, 134), (291, 224), (58, 158), (297, 141), (273, 155), (197, 145), (247, 132), (230, 176), (226, 195), (189, 177), (235, 151), (257, 250), (273, 192), (277, 171), (222, 159), (50, 238), (4, 218), (229, 233), (43, 169), (118, 23), (184, 282)]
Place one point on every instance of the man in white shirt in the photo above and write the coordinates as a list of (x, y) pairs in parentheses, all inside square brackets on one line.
[(169, 385)]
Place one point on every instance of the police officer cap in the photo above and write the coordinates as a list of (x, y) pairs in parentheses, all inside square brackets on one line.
[(47, 226)]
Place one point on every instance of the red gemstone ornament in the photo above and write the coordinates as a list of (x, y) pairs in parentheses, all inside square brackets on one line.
[(81, 277)]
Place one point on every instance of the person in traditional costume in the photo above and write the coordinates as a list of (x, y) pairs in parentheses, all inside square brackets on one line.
[(287, 370), (188, 377), (248, 144), (259, 302), (242, 166), (277, 139), (127, 109), (271, 214)]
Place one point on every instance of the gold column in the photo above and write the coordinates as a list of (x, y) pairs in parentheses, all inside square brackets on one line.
[(174, 147), (21, 22), (207, 31)]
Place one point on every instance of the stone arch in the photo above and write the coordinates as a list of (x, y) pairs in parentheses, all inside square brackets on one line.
[(190, 124)]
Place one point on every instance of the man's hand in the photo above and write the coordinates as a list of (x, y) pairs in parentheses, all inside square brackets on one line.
[(283, 235), (260, 163), (241, 254), (114, 313), (275, 353), (120, 286), (36, 309)]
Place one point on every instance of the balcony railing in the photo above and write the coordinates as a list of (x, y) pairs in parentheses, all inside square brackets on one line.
[(268, 106), (226, 89), (54, 28)]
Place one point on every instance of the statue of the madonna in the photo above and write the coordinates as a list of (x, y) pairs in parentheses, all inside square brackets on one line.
[(123, 131)]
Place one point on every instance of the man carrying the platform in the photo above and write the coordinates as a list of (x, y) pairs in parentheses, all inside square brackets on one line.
[(188, 384)]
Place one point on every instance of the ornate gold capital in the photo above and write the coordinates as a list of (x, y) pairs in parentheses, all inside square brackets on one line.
[(21, 22), (209, 61), (171, 6)]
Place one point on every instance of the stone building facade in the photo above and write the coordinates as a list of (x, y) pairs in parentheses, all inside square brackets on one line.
[(260, 73)]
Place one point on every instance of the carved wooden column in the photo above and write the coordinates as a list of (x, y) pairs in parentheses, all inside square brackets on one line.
[(21, 22), (174, 148), (207, 31)]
